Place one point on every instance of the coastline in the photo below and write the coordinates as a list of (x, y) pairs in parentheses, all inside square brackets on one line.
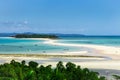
[(100, 50), (111, 51), (102, 59), (105, 49)]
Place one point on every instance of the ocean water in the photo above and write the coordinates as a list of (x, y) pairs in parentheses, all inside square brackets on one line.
[(14, 46), (21, 46), (96, 40)]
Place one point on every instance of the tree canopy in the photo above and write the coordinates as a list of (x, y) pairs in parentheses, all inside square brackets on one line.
[(32, 71), (35, 36)]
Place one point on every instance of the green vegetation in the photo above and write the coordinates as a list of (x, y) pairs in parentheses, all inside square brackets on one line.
[(20, 71), (35, 36), (116, 77)]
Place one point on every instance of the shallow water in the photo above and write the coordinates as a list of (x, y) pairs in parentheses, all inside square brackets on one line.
[(97, 40), (14, 46)]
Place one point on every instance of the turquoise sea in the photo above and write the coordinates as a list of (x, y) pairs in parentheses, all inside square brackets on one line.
[(14, 46), (97, 40)]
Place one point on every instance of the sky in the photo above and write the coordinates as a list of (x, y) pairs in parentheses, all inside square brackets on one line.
[(91, 17)]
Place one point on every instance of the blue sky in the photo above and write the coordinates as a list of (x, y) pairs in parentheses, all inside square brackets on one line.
[(93, 17)]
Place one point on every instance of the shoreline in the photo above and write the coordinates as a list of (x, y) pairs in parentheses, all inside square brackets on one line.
[(105, 49), (100, 50), (99, 61), (111, 51)]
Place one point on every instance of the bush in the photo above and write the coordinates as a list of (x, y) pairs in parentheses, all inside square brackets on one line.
[(21, 71)]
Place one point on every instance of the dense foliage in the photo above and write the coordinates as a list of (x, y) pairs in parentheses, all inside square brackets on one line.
[(20, 71), (35, 36)]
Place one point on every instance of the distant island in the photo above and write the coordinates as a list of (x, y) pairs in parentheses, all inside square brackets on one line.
[(35, 36)]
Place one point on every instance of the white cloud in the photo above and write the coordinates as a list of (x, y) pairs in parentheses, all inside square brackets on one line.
[(14, 26)]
